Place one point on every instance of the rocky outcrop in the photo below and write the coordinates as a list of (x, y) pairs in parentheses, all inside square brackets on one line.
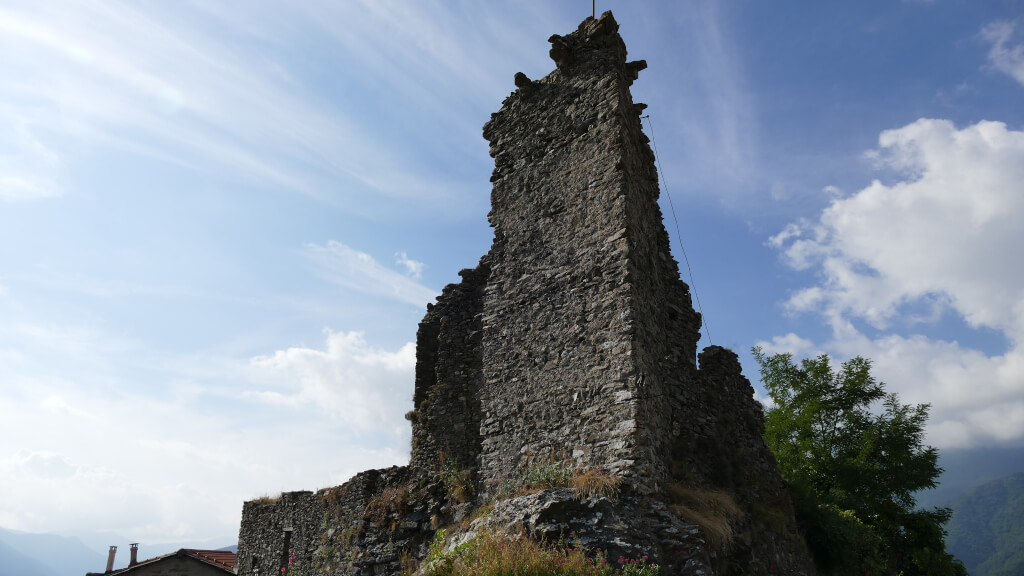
[(571, 347)]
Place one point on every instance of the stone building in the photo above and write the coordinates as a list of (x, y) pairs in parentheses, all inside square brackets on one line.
[(572, 346)]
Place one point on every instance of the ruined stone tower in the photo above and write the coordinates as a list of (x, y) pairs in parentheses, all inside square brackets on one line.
[(572, 344), (582, 331)]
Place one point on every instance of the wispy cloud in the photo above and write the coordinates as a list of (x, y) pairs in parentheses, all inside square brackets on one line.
[(359, 271), (412, 267), (1005, 56), (164, 82)]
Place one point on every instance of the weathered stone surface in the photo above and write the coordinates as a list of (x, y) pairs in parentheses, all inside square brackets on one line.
[(573, 343), (449, 373), (366, 526)]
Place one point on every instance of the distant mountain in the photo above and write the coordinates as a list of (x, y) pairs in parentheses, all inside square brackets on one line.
[(14, 563), (25, 554), (987, 529), (969, 468)]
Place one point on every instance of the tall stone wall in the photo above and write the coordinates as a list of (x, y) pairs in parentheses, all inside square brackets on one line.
[(449, 372), (560, 375)]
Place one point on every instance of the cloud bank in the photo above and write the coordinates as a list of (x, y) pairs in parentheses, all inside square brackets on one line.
[(941, 238)]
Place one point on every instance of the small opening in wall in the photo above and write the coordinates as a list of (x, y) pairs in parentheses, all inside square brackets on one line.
[(286, 547)]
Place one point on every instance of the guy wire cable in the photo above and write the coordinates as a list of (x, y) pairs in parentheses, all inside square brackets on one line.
[(679, 236)]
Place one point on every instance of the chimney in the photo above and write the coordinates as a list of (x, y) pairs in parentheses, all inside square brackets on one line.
[(135, 554), (110, 559)]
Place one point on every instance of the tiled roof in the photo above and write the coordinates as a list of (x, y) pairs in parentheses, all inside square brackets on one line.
[(218, 557)]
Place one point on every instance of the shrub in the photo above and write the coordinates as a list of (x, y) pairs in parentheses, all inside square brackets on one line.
[(458, 482), (547, 476)]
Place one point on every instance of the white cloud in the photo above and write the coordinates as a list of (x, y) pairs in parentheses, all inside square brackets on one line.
[(362, 386), (162, 446), (43, 464), (788, 344), (1006, 57), (942, 237), (359, 271), (412, 267), (944, 229), (58, 405)]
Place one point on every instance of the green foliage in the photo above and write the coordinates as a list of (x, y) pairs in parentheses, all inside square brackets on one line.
[(854, 457), (458, 481), (548, 476), (491, 554), (987, 528)]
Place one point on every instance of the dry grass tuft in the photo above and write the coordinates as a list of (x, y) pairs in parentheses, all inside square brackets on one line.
[(266, 499), (595, 482), (494, 554), (712, 510), (391, 500)]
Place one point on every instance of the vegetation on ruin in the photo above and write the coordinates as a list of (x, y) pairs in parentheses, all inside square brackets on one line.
[(458, 481), (551, 475), (714, 511), (591, 482), (586, 482), (854, 456), (266, 499), (493, 554)]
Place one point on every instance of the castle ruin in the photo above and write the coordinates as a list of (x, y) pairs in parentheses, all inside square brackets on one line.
[(572, 344)]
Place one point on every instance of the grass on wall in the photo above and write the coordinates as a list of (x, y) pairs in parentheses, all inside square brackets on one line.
[(492, 554), (712, 510)]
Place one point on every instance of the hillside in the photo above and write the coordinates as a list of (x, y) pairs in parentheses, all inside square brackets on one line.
[(969, 468), (987, 529), (25, 554)]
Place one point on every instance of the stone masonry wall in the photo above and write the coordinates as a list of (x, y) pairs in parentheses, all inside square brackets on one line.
[(449, 371), (729, 453), (559, 376), (367, 526), (273, 526)]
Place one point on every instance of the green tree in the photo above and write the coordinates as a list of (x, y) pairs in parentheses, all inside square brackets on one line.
[(854, 457)]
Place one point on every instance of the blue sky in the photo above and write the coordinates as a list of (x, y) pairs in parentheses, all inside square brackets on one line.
[(220, 226)]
